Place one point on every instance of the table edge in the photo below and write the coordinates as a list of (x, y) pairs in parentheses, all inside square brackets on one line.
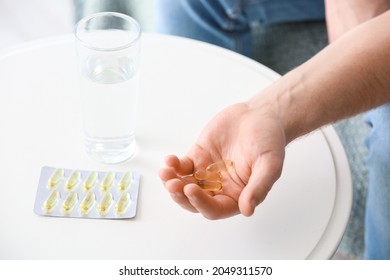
[(343, 198)]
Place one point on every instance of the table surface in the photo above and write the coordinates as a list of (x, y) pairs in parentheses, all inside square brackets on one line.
[(184, 83)]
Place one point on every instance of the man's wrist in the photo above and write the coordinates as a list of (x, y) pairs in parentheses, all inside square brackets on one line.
[(281, 101)]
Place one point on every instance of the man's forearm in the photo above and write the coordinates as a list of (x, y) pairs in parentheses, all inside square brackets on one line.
[(349, 76), (343, 15)]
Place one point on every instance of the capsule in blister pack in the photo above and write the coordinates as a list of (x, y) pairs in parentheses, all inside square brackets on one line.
[(87, 194)]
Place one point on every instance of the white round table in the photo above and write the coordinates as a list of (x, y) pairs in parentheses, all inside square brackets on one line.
[(184, 83)]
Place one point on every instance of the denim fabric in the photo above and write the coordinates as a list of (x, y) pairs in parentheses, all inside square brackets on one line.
[(228, 23), (284, 46), (198, 21), (281, 11), (377, 226)]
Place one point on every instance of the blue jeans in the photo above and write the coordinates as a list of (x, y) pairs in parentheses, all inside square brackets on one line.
[(227, 23), (377, 227), (230, 24)]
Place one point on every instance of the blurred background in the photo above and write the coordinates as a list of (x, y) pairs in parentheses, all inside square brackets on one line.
[(25, 20), (22, 20)]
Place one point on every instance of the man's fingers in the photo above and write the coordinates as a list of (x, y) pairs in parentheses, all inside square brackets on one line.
[(264, 174), (175, 189), (211, 207), (183, 166), (167, 173)]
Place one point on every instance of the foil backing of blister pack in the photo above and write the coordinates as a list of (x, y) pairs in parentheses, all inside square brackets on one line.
[(87, 194)]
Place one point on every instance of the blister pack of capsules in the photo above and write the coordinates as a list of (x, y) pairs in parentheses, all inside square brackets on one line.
[(87, 194)]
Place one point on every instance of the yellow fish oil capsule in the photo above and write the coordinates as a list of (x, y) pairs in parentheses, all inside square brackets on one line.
[(208, 175), (58, 174), (107, 181), (87, 203), (122, 203), (105, 204), (73, 180), (69, 202), (220, 166), (51, 201), (90, 181), (125, 181), (210, 185)]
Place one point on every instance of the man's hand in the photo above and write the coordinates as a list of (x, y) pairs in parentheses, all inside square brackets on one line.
[(253, 139)]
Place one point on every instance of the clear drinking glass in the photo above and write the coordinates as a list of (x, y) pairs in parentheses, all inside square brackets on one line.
[(108, 47)]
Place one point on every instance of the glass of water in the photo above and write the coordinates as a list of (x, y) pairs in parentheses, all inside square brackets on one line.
[(108, 51)]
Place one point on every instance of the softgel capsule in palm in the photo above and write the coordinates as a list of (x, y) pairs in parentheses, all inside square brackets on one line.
[(87, 193)]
